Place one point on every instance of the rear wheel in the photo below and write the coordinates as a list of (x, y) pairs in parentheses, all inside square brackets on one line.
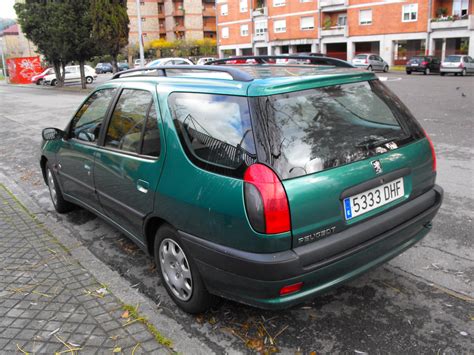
[(179, 272), (59, 203), (408, 72), (385, 69), (369, 68), (39, 82), (89, 80), (427, 71)]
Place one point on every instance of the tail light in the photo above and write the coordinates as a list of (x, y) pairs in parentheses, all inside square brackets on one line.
[(285, 290), (424, 63), (461, 65), (265, 200), (366, 61), (433, 153)]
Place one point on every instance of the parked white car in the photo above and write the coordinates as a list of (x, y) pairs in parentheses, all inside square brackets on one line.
[(457, 64), (169, 61), (73, 74), (204, 60)]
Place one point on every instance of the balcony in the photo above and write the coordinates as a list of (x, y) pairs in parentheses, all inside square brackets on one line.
[(450, 22), (334, 31), (209, 27), (178, 12), (324, 3), (260, 11), (161, 15), (209, 12), (260, 37)]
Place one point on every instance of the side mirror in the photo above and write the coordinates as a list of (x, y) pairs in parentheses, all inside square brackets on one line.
[(51, 134)]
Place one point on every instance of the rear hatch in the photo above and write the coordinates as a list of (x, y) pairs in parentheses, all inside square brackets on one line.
[(452, 61), (416, 61), (360, 60), (334, 148)]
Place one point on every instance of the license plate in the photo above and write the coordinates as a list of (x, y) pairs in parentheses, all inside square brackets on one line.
[(414, 64), (371, 199)]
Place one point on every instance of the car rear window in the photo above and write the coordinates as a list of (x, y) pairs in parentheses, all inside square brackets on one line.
[(215, 131), (360, 56), (453, 59), (308, 131)]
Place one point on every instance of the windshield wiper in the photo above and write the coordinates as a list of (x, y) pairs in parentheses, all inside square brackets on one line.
[(374, 142)]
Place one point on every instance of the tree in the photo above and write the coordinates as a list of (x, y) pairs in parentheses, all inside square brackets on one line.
[(110, 26)]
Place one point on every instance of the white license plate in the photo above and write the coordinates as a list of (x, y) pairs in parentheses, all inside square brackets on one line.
[(414, 64), (371, 199)]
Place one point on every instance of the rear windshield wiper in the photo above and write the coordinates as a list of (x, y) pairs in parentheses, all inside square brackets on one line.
[(374, 142)]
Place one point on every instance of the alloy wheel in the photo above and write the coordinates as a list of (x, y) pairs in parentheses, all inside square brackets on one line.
[(52, 187)]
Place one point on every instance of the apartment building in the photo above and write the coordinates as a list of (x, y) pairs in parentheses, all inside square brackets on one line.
[(394, 29), (173, 19)]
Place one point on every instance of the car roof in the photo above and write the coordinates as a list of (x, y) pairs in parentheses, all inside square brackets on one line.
[(252, 80)]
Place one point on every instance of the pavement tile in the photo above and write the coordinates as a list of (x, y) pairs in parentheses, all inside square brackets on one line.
[(43, 295)]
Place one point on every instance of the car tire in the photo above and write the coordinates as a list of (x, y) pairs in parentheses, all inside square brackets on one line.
[(442, 74), (192, 296), (427, 71), (463, 73), (59, 203), (369, 68), (39, 82), (408, 72), (385, 69), (89, 79), (54, 82)]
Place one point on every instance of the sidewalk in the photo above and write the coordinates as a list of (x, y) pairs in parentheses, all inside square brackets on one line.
[(50, 304)]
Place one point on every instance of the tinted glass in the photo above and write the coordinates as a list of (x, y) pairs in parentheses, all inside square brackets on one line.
[(214, 129), (126, 125), (453, 59), (309, 131), (86, 124), (360, 56), (151, 138)]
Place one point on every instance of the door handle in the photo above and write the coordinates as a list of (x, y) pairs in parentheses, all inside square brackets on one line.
[(142, 186)]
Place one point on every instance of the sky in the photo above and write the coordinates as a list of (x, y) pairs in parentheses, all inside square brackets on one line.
[(6, 9)]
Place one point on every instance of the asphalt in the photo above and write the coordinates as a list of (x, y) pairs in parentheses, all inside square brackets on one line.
[(420, 302)]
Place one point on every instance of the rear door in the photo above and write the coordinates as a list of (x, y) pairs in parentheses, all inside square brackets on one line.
[(329, 145), (128, 167)]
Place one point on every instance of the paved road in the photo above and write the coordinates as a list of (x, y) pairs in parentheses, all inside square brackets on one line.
[(421, 302)]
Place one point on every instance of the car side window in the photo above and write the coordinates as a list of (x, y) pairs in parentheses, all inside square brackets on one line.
[(151, 138), (128, 119), (85, 126), (465, 60)]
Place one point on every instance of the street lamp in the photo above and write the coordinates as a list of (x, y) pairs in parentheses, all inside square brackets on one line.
[(140, 35)]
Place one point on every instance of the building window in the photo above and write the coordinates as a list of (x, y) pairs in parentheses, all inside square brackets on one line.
[(279, 26), (409, 12), (142, 3), (225, 32), (460, 8), (244, 30), (341, 20), (307, 23), (306, 0), (277, 3), (365, 17), (224, 9), (143, 19), (244, 5), (261, 27)]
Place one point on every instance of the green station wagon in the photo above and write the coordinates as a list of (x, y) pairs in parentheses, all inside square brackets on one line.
[(264, 184)]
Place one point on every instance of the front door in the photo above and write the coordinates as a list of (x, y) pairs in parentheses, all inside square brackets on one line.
[(75, 159), (128, 167)]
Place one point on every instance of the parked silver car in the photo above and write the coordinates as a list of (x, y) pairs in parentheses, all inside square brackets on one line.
[(457, 64), (370, 62)]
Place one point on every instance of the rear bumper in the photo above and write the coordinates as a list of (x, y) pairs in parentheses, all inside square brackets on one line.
[(256, 279), (451, 70)]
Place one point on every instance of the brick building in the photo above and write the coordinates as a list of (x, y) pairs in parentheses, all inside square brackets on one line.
[(395, 29), (173, 19)]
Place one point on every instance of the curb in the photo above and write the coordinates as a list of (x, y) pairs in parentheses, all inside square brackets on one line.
[(118, 286)]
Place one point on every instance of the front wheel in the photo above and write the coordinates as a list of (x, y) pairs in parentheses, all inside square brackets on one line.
[(59, 203), (427, 71), (54, 82), (179, 272), (463, 73), (89, 80), (442, 74), (39, 82), (385, 69), (369, 68), (408, 72)]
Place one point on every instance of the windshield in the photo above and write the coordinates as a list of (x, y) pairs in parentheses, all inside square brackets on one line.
[(453, 59), (309, 131)]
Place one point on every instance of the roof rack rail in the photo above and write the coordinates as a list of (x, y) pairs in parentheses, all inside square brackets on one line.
[(234, 73), (271, 59)]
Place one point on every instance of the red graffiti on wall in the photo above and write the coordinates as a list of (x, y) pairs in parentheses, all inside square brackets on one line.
[(22, 69)]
